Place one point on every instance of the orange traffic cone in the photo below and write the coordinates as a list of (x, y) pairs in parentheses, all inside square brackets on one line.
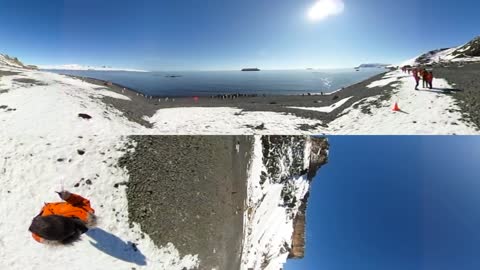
[(396, 108)]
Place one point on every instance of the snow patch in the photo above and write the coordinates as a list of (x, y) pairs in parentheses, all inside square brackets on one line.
[(33, 168), (225, 120), (386, 80), (105, 92), (427, 112), (55, 102), (327, 109)]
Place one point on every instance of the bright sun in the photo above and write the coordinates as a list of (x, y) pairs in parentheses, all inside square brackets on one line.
[(325, 8)]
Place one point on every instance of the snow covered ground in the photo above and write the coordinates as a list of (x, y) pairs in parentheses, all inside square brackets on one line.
[(31, 169), (224, 120), (268, 226), (326, 109), (50, 106), (424, 112)]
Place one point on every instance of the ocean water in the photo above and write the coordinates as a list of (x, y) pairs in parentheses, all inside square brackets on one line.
[(207, 83)]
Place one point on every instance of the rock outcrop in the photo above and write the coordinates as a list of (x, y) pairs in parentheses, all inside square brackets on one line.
[(9, 61), (318, 158), (471, 49), (469, 52)]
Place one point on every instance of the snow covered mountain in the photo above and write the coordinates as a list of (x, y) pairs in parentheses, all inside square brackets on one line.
[(373, 65), (469, 52), (471, 49), (8, 61), (281, 171)]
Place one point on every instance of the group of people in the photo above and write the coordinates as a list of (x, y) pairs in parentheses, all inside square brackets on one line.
[(234, 96), (420, 74)]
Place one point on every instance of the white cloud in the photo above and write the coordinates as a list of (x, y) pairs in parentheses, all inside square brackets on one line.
[(325, 8)]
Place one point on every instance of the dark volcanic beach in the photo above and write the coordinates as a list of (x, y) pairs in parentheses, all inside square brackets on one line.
[(466, 80), (191, 190), (141, 106)]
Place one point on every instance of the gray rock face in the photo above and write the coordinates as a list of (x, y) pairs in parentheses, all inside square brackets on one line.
[(427, 57), (7, 60), (318, 158), (471, 49)]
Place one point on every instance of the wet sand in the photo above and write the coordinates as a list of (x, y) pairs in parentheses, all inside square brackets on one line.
[(191, 190)]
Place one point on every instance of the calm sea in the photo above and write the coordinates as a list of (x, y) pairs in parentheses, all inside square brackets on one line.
[(206, 83)]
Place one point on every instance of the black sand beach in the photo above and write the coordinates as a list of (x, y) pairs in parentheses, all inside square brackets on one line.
[(141, 106), (466, 82), (465, 79), (190, 190)]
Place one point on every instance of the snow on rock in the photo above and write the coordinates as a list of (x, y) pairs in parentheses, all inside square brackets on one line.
[(426, 112), (469, 52), (409, 62), (8, 61), (268, 221), (437, 56), (31, 170), (326, 109)]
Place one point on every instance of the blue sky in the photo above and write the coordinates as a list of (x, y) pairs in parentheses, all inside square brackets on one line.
[(395, 203), (224, 34)]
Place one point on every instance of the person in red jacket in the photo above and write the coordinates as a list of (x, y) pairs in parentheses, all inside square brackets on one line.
[(416, 77), (425, 78), (430, 79), (63, 222)]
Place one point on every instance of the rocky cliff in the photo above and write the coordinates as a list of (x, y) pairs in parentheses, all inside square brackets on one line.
[(9, 61), (318, 158), (281, 172), (469, 52), (471, 49)]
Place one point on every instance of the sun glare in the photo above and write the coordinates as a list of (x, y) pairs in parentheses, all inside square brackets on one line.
[(325, 8)]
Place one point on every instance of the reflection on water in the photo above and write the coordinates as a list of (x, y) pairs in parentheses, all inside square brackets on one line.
[(205, 83)]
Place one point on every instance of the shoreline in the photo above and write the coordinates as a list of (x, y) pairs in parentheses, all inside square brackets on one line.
[(141, 106), (104, 83), (365, 107)]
